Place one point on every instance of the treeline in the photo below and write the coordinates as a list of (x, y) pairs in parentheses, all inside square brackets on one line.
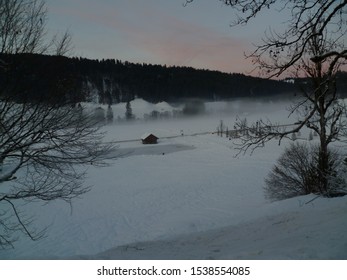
[(341, 84), (110, 81)]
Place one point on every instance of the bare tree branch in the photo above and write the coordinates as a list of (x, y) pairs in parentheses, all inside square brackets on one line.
[(308, 20), (312, 44), (44, 144)]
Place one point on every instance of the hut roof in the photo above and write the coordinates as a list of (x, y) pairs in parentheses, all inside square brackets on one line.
[(146, 135)]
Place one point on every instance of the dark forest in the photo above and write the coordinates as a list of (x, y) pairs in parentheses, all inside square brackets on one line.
[(61, 79)]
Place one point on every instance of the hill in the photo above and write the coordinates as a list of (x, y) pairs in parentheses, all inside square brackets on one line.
[(110, 81)]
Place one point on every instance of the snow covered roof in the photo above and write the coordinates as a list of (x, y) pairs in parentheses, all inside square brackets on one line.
[(146, 135)]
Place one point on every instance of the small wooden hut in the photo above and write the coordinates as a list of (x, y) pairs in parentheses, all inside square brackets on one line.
[(149, 138)]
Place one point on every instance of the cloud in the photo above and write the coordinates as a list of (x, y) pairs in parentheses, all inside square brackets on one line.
[(164, 34), (167, 39)]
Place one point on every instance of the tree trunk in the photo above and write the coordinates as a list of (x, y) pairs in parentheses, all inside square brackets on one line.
[(323, 165)]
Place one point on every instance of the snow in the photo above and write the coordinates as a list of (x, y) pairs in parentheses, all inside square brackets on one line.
[(188, 197), (286, 230), (146, 135)]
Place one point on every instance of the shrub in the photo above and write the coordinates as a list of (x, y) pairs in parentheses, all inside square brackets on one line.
[(296, 173)]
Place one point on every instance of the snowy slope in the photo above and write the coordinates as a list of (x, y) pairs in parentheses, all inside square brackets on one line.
[(290, 229), (189, 197)]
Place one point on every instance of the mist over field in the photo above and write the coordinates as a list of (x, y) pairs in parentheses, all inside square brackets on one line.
[(191, 196)]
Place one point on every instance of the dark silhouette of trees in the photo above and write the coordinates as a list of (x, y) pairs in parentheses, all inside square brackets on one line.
[(128, 112), (43, 134), (111, 82), (23, 27)]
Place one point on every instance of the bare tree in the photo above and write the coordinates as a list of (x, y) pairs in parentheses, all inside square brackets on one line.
[(312, 45), (43, 144), (23, 29), (319, 108), (307, 20)]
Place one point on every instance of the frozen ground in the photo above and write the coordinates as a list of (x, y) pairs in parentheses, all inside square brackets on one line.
[(287, 230), (188, 197)]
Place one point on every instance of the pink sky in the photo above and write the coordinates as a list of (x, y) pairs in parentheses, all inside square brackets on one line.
[(158, 32)]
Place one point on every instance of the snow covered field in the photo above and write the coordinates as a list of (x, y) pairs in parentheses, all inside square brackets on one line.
[(188, 197)]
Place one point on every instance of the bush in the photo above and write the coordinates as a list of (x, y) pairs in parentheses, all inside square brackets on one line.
[(296, 173)]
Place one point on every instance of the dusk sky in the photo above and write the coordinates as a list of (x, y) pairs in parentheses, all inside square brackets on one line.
[(160, 32)]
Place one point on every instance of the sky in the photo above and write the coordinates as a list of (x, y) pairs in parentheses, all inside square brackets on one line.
[(159, 32)]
